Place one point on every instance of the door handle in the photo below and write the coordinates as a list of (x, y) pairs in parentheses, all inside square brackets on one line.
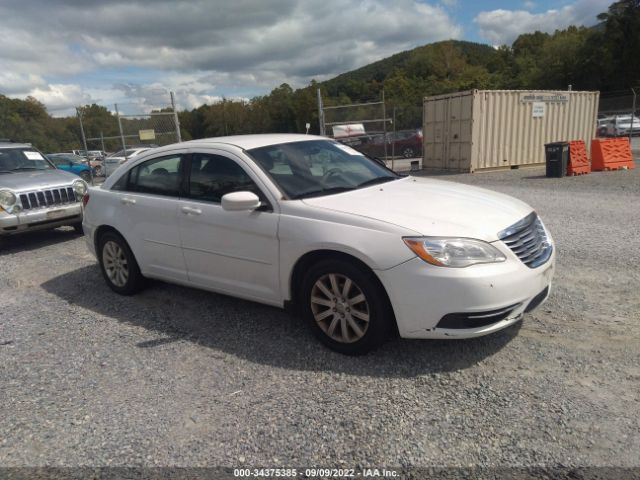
[(128, 201), (191, 211)]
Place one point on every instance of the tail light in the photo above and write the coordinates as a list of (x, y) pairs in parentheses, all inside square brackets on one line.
[(85, 199)]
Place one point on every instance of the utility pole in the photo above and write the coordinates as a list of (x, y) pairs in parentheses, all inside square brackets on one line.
[(124, 145), (84, 139)]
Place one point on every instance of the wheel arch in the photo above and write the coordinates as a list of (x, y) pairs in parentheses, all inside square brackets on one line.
[(101, 230), (309, 259)]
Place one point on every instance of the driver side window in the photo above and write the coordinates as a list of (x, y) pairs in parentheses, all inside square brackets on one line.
[(213, 176)]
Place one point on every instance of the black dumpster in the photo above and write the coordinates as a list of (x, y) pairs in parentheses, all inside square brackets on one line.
[(557, 157)]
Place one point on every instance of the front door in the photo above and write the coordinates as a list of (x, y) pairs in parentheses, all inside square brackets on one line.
[(234, 252)]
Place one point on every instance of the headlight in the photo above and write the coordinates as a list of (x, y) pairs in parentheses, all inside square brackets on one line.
[(453, 252), (7, 200), (80, 187)]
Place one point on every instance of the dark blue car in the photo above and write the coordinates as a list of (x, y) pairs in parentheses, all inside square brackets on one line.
[(71, 163)]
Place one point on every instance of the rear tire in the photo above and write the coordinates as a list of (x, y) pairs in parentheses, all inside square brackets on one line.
[(408, 152), (346, 307), (118, 264)]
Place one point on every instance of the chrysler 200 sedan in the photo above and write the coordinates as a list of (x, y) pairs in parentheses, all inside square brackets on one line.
[(313, 226)]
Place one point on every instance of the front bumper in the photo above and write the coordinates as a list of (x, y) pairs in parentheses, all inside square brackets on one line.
[(40, 219), (422, 295)]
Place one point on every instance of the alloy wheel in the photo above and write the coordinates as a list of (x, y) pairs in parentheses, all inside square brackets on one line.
[(340, 308), (115, 263)]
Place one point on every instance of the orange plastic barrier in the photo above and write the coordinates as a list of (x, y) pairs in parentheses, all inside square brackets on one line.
[(611, 154), (578, 159)]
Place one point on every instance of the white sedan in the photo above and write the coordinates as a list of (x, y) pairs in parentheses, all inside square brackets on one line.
[(311, 225)]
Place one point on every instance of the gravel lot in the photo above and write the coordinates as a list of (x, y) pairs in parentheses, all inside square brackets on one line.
[(180, 377)]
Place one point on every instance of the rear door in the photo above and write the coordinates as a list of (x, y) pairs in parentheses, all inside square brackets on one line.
[(147, 214)]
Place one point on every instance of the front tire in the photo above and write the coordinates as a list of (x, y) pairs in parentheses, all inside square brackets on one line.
[(345, 307), (119, 267)]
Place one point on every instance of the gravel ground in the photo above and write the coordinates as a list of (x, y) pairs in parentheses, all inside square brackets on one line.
[(180, 377)]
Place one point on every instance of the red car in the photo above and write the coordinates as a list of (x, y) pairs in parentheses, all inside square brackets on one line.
[(403, 143)]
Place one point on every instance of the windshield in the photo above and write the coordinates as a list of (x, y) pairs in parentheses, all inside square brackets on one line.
[(22, 159), (65, 159), (130, 153), (627, 119), (319, 167)]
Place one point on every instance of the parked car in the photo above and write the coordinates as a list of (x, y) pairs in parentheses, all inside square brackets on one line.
[(403, 143), (309, 224), (72, 163), (34, 195), (113, 161), (620, 125), (601, 129)]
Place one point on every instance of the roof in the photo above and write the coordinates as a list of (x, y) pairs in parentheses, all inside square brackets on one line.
[(15, 145), (247, 142)]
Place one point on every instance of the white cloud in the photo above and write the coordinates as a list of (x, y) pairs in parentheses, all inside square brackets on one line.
[(61, 99), (503, 26), (222, 46)]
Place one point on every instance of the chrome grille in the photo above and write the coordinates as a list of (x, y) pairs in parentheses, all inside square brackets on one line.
[(528, 240), (48, 198)]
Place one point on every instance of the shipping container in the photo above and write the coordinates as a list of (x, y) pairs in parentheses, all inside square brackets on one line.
[(488, 129)]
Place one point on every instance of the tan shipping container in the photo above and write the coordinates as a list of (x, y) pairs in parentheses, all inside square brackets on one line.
[(485, 129)]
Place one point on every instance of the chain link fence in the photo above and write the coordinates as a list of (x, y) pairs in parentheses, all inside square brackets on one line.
[(377, 127), (117, 131), (619, 115)]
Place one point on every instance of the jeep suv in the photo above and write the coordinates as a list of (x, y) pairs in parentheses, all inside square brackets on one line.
[(34, 195)]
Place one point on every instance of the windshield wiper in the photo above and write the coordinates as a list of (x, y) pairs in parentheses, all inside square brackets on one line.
[(27, 168), (376, 180), (6, 171), (319, 193)]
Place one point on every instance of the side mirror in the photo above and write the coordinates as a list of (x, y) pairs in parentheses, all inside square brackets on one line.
[(238, 201)]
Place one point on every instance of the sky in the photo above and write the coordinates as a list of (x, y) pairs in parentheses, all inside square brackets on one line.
[(67, 53)]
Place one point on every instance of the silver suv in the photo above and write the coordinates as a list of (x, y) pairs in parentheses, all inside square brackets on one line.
[(34, 195)]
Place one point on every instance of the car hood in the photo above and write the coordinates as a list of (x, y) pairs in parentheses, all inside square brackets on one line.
[(35, 179), (431, 207)]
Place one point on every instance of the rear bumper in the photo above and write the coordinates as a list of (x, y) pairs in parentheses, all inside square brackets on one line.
[(424, 296), (40, 219)]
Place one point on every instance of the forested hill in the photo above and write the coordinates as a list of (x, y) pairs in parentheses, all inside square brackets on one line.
[(409, 63)]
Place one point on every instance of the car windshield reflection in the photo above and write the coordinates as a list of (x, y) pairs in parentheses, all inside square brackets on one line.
[(321, 167)]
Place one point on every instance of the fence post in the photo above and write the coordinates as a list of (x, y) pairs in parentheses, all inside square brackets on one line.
[(320, 114), (124, 145), (384, 126), (633, 114), (175, 118)]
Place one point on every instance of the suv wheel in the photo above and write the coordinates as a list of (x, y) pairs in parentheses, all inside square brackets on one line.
[(119, 267), (345, 307)]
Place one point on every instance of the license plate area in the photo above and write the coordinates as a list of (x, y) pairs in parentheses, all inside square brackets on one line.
[(56, 214)]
